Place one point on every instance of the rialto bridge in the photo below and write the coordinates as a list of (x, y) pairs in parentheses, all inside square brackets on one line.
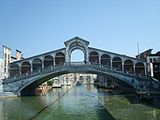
[(27, 74)]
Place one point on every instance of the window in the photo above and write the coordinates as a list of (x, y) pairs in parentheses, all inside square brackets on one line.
[(8, 56), (156, 68), (154, 59), (5, 56), (5, 63), (150, 60), (5, 70)]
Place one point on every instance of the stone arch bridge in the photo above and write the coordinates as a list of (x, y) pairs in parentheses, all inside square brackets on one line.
[(25, 75)]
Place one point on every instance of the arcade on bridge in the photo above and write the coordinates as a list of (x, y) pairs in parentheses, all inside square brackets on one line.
[(92, 55)]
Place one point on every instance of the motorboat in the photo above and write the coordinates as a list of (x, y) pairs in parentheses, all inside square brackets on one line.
[(56, 86), (79, 83)]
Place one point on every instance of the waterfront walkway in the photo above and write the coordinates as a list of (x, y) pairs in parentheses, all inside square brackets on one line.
[(7, 94)]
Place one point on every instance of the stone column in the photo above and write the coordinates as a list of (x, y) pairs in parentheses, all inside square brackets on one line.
[(31, 65), (53, 61), (122, 65), (99, 59), (86, 55), (42, 64), (67, 55), (145, 69), (134, 69), (111, 62), (20, 69)]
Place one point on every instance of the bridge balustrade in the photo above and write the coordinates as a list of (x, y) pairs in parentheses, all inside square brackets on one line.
[(76, 66), (140, 83)]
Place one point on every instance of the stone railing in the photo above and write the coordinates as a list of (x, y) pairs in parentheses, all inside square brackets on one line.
[(76, 67)]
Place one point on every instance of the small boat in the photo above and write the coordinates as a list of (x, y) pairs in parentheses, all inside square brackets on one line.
[(39, 89), (56, 86), (79, 83), (68, 83)]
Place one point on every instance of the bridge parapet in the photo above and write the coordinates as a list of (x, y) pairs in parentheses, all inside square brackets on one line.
[(140, 83), (77, 66)]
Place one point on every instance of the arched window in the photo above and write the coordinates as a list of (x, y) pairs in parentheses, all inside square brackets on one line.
[(94, 57), (25, 68), (59, 58), (37, 64), (105, 60), (48, 61), (117, 63), (14, 70), (139, 68), (128, 66)]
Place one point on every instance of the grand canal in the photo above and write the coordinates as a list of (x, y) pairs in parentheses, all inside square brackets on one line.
[(78, 103)]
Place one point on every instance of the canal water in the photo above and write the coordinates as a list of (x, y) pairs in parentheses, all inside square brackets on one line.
[(83, 102)]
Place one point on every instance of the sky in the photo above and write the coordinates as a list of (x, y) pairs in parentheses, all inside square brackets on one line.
[(39, 26)]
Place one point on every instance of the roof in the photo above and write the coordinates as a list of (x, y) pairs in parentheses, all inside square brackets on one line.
[(76, 38), (147, 51), (6, 47), (157, 54)]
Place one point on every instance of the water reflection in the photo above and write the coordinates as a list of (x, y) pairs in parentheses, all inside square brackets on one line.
[(102, 112), (78, 103), (24, 108)]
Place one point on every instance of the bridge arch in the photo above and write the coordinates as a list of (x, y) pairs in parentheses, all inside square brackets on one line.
[(140, 68), (117, 63), (106, 60), (94, 57), (128, 66), (59, 58), (48, 61), (90, 68), (77, 55), (37, 64), (25, 68), (79, 44), (14, 70), (27, 84)]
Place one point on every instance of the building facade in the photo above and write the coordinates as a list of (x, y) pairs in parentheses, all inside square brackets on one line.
[(1, 74), (6, 59), (74, 77), (1, 68), (154, 61)]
